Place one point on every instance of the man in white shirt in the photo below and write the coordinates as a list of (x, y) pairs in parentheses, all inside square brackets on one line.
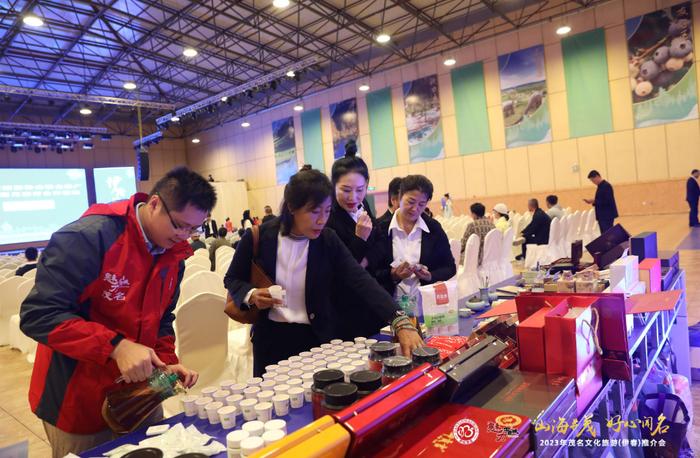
[(554, 210)]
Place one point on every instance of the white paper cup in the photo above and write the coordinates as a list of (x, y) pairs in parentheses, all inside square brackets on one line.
[(267, 385), (336, 342), (281, 379), (234, 439), (319, 365), (344, 361), (208, 391), (235, 400), (276, 424), (282, 388), (347, 370), (328, 352), (316, 350), (306, 362), (248, 409), (251, 445), (233, 453), (294, 359), (255, 381), (370, 342), (271, 368), (334, 366), (331, 359), (270, 437), (281, 404), (238, 388), (255, 428), (277, 292), (228, 416), (296, 365), (364, 353), (283, 370), (221, 395), (295, 382), (307, 377), (264, 411), (266, 396), (360, 364), (201, 404), (348, 344), (295, 373), (296, 397), (283, 363), (251, 392), (356, 347), (226, 384), (269, 376), (360, 340), (307, 391), (213, 412), (326, 346), (189, 406), (306, 354)]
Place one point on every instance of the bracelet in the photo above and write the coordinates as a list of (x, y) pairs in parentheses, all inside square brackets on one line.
[(407, 326), (398, 320)]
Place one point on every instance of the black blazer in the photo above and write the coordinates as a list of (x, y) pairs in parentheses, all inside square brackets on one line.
[(267, 218), (692, 190), (344, 226), (25, 268), (537, 231), (210, 229), (386, 217), (435, 254), (329, 265), (604, 203)]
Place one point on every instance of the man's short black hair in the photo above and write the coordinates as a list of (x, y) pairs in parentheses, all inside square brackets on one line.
[(552, 199), (533, 203), (417, 183), (394, 189), (31, 253), (478, 209), (182, 186), (694, 171), (222, 232), (593, 174)]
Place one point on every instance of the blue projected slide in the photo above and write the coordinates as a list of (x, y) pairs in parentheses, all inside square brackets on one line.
[(114, 183), (34, 203)]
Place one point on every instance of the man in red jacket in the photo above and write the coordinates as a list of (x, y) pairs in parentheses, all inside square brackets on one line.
[(103, 302)]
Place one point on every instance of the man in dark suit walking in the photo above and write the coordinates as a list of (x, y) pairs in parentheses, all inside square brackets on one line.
[(692, 193), (209, 227), (604, 202)]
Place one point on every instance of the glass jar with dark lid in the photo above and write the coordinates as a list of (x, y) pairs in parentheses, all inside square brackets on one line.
[(395, 367), (338, 396), (379, 351), (321, 380), (423, 355), (367, 382)]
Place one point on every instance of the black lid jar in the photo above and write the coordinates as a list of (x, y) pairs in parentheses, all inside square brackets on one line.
[(366, 382), (395, 367), (423, 355), (378, 352), (322, 379), (338, 396)]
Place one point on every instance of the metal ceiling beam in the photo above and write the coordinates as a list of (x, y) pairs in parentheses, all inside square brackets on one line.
[(491, 5), (77, 98), (15, 28), (425, 18)]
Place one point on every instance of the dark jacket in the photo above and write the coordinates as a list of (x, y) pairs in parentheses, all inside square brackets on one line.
[(537, 231), (386, 217), (267, 218), (25, 268), (215, 245), (344, 226), (197, 244), (604, 203), (692, 190), (210, 229), (330, 265), (435, 254), (96, 283)]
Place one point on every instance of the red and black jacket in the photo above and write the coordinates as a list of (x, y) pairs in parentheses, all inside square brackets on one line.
[(97, 283)]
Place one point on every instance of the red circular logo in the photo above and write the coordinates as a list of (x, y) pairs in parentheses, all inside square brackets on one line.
[(465, 431)]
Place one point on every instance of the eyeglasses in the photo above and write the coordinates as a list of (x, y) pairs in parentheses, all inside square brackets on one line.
[(177, 227)]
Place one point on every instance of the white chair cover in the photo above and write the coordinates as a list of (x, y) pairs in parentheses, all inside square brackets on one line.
[(199, 261), (456, 248), (551, 253), (193, 269), (489, 270), (201, 282), (202, 252), (222, 265), (9, 305), (468, 277), (30, 274), (18, 339), (506, 265)]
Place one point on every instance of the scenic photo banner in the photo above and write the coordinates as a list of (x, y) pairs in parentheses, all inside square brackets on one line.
[(285, 149), (423, 120)]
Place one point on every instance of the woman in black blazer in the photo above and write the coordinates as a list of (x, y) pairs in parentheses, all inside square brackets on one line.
[(354, 223), (414, 249), (308, 260)]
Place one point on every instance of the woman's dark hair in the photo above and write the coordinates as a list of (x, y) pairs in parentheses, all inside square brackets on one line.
[(305, 188), (246, 217), (349, 164), (417, 183)]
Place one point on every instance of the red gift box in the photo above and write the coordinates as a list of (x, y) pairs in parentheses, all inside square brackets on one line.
[(456, 430), (527, 304), (531, 338), (650, 273), (385, 411)]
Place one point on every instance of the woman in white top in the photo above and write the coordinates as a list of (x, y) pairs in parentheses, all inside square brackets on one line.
[(500, 217), (246, 222), (308, 261)]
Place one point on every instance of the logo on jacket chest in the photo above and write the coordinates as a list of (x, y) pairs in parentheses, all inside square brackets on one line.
[(116, 287)]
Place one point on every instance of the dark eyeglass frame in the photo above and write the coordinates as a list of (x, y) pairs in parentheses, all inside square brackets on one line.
[(176, 227)]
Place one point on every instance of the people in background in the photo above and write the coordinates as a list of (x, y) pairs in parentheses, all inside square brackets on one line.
[(30, 254), (209, 227), (228, 225), (537, 232), (247, 221), (268, 214), (500, 217), (103, 305), (237, 238), (353, 222), (196, 243), (308, 261), (480, 226), (220, 241), (446, 204), (604, 202), (428, 212), (554, 210), (414, 249), (392, 199), (692, 193)]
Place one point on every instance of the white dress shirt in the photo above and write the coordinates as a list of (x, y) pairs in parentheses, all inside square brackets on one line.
[(406, 248), (290, 274)]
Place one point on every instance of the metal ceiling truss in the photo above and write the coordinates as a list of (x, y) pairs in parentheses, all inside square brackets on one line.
[(90, 47)]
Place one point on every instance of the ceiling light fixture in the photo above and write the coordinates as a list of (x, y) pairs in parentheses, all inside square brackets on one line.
[(189, 52), (195, 140), (33, 20), (298, 107), (85, 111), (280, 3), (175, 119), (383, 38), (450, 61), (563, 30), (364, 87), (129, 86), (245, 124), (291, 74), (224, 99)]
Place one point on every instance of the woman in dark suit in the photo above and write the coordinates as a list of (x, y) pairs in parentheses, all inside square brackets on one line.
[(414, 250), (308, 260), (354, 223)]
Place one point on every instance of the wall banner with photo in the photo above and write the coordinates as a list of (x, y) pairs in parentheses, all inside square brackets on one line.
[(524, 97), (285, 149), (344, 125), (423, 119), (662, 66)]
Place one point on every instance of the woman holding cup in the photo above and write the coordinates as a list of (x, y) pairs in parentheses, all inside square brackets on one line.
[(307, 260)]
